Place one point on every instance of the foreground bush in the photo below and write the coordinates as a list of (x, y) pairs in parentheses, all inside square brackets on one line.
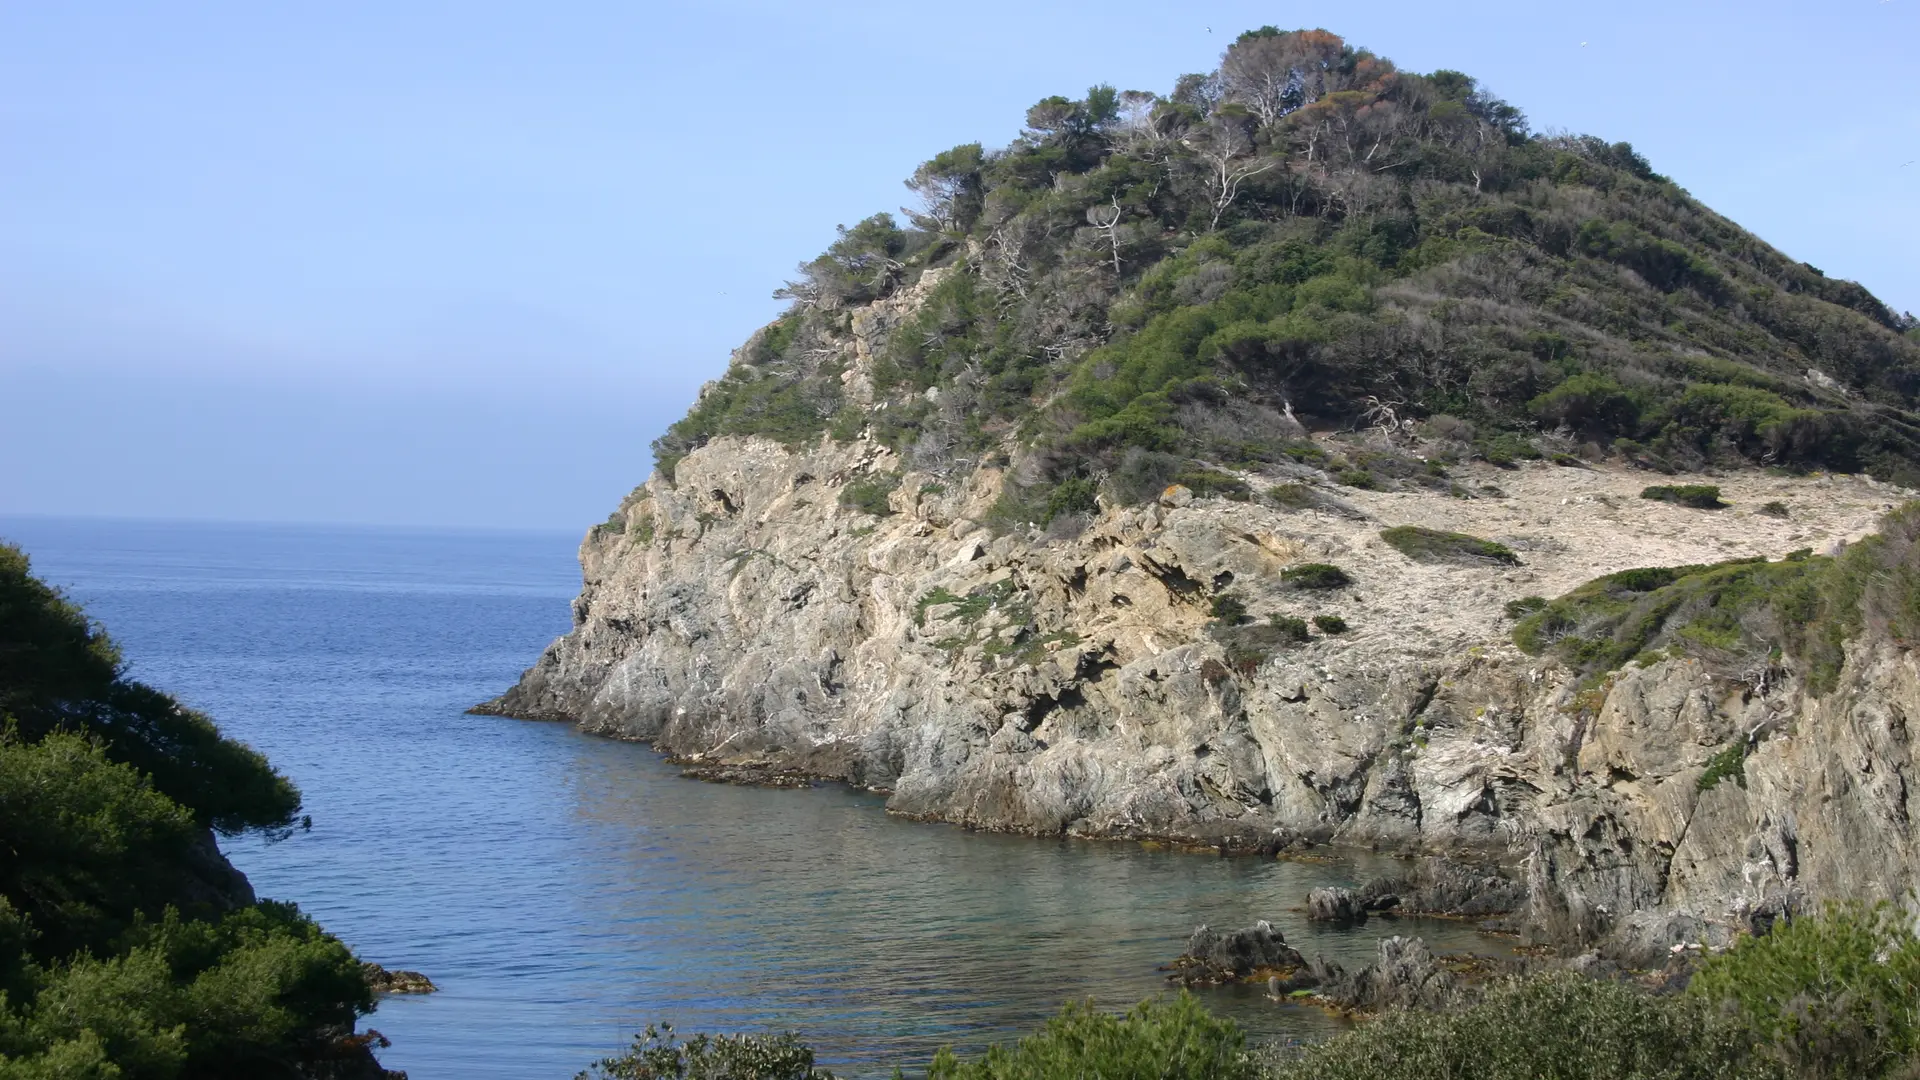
[(658, 1054), (128, 948), (1833, 996), (1158, 1040), (1564, 1026)]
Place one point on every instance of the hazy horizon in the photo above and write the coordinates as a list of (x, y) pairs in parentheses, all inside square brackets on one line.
[(456, 266)]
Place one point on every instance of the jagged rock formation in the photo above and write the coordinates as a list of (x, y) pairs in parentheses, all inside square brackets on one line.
[(1335, 906), (1225, 955), (1405, 976)]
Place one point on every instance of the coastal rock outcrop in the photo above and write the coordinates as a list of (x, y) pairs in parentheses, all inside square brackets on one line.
[(746, 620), (1406, 975), (383, 980), (1334, 905), (1226, 955)]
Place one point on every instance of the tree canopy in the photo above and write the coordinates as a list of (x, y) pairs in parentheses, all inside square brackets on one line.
[(1141, 283)]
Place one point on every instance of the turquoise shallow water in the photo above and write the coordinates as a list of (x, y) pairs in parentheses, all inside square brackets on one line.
[(565, 891)]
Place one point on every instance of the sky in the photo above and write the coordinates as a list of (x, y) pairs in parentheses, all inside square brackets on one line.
[(424, 264)]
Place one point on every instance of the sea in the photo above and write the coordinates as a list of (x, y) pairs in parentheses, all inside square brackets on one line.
[(565, 891)]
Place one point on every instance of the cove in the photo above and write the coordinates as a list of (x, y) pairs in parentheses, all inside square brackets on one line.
[(566, 890)]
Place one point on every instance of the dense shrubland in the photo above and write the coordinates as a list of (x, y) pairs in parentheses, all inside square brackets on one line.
[(128, 947), (1818, 997), (1142, 287)]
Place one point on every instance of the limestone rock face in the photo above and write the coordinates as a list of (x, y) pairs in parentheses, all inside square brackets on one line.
[(742, 617)]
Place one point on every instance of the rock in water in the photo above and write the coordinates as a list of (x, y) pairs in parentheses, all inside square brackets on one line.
[(1337, 906), (383, 981), (1225, 955), (1406, 975)]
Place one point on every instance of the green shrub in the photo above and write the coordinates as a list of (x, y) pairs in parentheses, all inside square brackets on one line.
[(1525, 606), (754, 401), (1229, 609), (122, 952), (1831, 995), (659, 1054), (1698, 496), (1212, 483), (58, 671), (1157, 1040), (1315, 576), (1074, 495), (1358, 478), (1330, 624), (1434, 546), (1291, 628), (1505, 448), (1564, 1026), (1727, 763), (870, 494), (1775, 508), (1301, 496)]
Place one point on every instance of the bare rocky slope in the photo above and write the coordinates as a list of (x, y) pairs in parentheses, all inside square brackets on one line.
[(744, 619)]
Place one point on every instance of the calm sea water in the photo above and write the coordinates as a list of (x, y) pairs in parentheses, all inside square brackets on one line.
[(564, 891)]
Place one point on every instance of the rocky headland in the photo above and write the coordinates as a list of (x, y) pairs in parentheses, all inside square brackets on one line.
[(1184, 473)]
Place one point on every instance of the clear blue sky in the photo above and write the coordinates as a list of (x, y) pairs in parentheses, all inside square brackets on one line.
[(458, 264)]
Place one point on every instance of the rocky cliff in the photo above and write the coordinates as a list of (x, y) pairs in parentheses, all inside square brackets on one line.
[(1076, 506), (744, 618)]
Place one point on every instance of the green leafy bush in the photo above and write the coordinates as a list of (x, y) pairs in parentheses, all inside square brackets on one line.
[(1156, 1040), (1565, 1026), (1728, 763), (1435, 546), (659, 1054), (1698, 496), (871, 494), (1525, 606), (1358, 478), (1774, 508), (1291, 628), (1229, 609), (60, 672), (1074, 495), (1315, 576), (1829, 995), (1330, 624), (125, 948)]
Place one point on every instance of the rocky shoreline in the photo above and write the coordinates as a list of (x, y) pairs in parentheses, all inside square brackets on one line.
[(743, 621)]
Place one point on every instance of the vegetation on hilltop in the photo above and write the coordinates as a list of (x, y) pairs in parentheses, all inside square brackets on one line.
[(1143, 286), (128, 947)]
